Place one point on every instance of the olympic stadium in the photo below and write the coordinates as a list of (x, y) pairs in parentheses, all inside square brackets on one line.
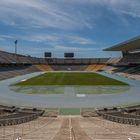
[(69, 70), (104, 91)]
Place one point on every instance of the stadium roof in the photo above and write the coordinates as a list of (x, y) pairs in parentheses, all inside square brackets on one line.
[(130, 45)]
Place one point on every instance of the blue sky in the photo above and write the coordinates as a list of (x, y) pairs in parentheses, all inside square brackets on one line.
[(81, 26)]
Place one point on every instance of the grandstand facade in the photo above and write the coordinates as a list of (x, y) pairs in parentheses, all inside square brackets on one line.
[(14, 64), (129, 64), (11, 58), (130, 51)]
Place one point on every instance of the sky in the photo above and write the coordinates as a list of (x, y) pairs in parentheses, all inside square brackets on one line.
[(84, 27)]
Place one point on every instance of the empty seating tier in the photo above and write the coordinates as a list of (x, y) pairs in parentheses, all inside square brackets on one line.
[(43, 67), (121, 115), (15, 70), (14, 116), (69, 67), (94, 67)]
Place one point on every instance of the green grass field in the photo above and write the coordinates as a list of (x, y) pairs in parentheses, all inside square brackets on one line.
[(70, 78), (68, 111)]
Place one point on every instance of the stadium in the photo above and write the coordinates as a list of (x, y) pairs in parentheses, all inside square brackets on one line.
[(53, 93), (66, 71)]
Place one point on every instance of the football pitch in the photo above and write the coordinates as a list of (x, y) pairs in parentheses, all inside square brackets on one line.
[(70, 78)]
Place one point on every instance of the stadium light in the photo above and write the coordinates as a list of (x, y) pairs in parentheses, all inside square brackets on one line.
[(16, 41)]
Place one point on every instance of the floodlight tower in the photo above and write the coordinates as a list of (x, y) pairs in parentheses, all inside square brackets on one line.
[(16, 41)]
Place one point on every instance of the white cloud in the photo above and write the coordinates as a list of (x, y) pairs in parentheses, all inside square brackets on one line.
[(38, 13), (6, 37), (52, 39), (60, 14), (42, 38), (81, 40), (57, 38), (129, 7), (73, 49), (132, 14)]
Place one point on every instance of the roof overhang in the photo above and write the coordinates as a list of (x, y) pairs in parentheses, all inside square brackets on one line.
[(130, 45)]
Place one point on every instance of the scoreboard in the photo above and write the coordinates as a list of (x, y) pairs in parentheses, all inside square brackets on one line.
[(47, 54), (68, 55)]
